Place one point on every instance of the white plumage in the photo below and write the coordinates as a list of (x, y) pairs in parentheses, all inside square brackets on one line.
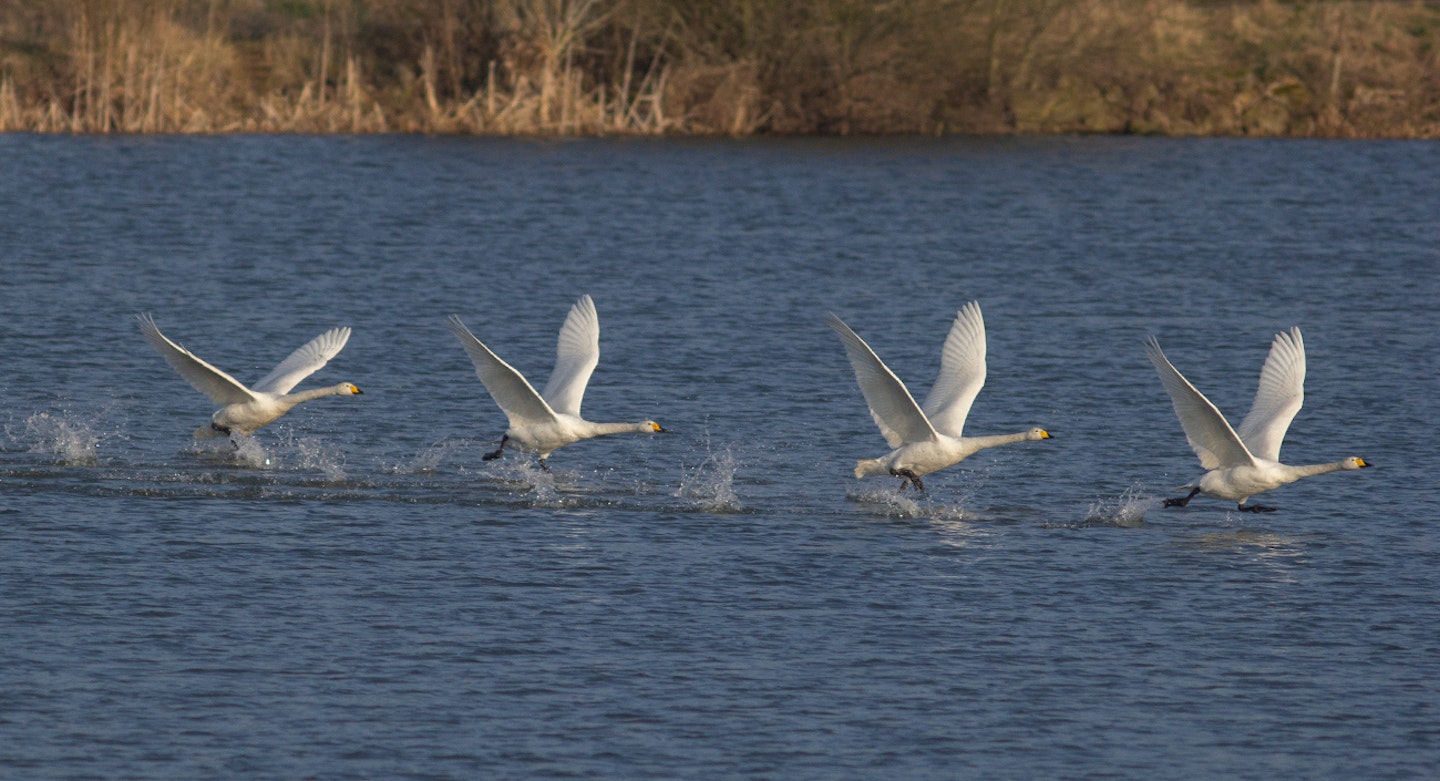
[(1240, 464), (926, 438), (544, 422), (243, 410)]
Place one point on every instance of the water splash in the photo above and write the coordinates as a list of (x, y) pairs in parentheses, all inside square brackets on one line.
[(432, 457), (525, 473), (1126, 510), (891, 503), (543, 492), (75, 438), (325, 458), (247, 451), (711, 484)]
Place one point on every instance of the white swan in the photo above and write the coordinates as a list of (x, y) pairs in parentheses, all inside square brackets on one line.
[(245, 409), (545, 422), (926, 439), (1242, 464)]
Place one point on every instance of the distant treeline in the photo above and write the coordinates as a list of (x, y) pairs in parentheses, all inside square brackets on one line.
[(722, 66)]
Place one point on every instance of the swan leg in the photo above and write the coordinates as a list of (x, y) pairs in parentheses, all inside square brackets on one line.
[(234, 439), (225, 431), (1182, 501), (491, 456), (909, 477), (1256, 508), (545, 466)]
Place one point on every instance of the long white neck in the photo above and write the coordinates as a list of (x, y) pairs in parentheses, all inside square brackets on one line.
[(995, 440), (291, 399), (603, 429), (1316, 469)]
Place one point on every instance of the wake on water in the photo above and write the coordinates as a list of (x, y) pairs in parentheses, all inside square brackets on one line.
[(709, 486), (287, 452), (890, 503)]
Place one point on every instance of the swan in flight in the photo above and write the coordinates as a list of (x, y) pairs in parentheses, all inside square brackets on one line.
[(242, 409), (926, 438), (545, 422), (1242, 464)]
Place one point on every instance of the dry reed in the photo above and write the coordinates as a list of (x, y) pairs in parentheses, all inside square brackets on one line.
[(580, 67)]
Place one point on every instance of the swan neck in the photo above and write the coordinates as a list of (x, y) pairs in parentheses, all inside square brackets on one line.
[(315, 393), (1316, 469), (994, 440), (603, 429)]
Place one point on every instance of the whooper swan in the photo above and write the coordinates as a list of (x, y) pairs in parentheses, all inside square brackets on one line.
[(243, 409), (1242, 464), (926, 439), (545, 422)]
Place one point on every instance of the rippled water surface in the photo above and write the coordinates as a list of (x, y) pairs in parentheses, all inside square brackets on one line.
[(354, 592)]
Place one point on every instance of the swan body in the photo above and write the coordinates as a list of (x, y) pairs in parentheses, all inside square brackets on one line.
[(542, 423), (1240, 464), (243, 410), (926, 438)]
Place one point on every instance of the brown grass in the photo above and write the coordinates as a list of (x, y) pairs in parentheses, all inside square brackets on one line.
[(739, 67)]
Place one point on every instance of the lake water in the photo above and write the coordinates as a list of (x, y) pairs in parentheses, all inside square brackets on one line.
[(355, 593)]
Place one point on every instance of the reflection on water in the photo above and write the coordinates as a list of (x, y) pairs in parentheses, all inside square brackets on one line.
[(1266, 543)]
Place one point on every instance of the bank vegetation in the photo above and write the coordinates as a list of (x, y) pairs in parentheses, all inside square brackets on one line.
[(738, 67)]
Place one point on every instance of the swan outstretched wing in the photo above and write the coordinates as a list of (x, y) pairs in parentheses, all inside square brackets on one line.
[(516, 397), (1281, 392), (576, 355), (1208, 432), (962, 372), (304, 362), (891, 405), (219, 386)]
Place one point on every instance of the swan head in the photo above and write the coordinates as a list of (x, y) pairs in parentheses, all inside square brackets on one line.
[(349, 389), (1354, 462), (1037, 433), (651, 427)]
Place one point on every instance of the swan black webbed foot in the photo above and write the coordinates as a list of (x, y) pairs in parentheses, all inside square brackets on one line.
[(1256, 508), (1181, 502), (545, 466), (909, 477), (500, 451)]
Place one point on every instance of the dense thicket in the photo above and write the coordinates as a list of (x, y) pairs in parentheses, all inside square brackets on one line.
[(722, 66)]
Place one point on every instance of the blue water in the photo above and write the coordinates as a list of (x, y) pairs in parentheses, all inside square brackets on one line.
[(355, 593)]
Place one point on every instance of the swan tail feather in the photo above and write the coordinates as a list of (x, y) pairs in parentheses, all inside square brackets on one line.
[(869, 466)]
